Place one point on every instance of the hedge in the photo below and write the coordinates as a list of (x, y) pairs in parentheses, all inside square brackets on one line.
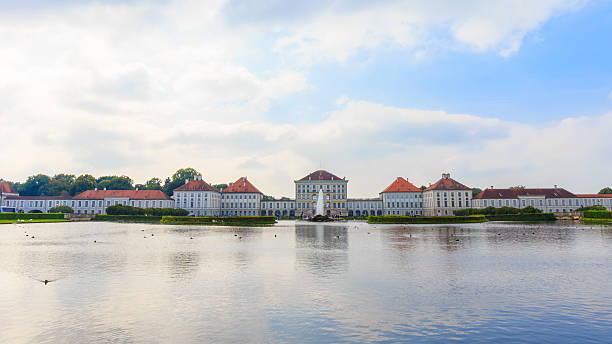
[(497, 211), (212, 220), (127, 218), (27, 216), (396, 219), (598, 214), (62, 209), (522, 217), (120, 209)]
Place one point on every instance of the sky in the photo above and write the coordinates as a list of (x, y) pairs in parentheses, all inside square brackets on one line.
[(496, 93)]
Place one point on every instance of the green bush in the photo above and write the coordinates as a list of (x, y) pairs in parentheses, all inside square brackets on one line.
[(397, 219), (591, 207), (498, 211), (522, 217), (27, 216), (213, 220), (120, 209), (598, 214), (166, 212), (62, 209), (127, 218)]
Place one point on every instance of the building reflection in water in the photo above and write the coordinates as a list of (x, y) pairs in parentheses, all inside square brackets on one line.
[(183, 264), (321, 249)]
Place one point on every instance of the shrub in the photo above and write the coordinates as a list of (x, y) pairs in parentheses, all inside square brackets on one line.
[(28, 216), (598, 214), (523, 217), (497, 211), (129, 210), (127, 218), (591, 207), (396, 219), (62, 209), (213, 220)]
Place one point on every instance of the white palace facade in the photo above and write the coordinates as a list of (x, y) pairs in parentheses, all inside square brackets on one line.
[(242, 198)]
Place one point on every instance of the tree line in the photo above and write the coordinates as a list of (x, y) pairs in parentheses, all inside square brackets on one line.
[(70, 185)]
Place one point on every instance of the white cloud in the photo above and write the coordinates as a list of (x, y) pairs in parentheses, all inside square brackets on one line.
[(339, 33), (144, 89)]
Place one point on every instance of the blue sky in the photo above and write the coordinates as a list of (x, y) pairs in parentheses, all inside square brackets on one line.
[(497, 93)]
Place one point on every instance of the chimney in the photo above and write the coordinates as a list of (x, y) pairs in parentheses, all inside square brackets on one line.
[(95, 189), (186, 180), (136, 189), (492, 187), (555, 186), (104, 189), (445, 175)]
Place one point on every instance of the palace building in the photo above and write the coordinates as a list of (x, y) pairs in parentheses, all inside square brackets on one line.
[(334, 190), (402, 198), (446, 196)]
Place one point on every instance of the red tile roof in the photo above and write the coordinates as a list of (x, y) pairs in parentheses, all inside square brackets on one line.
[(401, 185), (132, 194), (447, 183), (241, 185), (44, 198), (515, 193), (196, 185), (6, 188), (321, 175), (595, 196)]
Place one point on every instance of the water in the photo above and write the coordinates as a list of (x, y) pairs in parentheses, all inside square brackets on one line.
[(311, 283)]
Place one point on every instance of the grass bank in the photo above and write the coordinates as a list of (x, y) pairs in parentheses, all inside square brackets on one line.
[(396, 219), (128, 218), (34, 221), (220, 221), (588, 221), (523, 217)]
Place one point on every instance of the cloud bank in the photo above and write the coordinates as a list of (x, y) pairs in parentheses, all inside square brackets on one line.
[(143, 89)]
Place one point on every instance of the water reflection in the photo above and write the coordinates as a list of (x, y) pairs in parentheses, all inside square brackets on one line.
[(299, 282), (321, 248), (183, 264)]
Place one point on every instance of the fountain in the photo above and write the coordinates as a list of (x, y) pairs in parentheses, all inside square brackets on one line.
[(320, 209)]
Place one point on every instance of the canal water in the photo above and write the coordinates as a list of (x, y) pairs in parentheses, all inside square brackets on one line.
[(306, 283)]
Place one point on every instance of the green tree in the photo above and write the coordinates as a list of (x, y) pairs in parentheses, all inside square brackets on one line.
[(219, 186), (605, 191), (58, 185), (178, 179), (423, 187), (61, 209), (34, 185), (153, 184), (83, 183), (517, 187), (476, 191), (115, 183)]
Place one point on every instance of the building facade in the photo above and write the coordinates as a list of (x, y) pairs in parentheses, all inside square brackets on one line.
[(548, 200), (364, 206), (279, 207), (445, 197), (92, 201), (198, 197), (402, 198), (96, 201), (241, 198), (42, 204), (334, 190), (595, 199)]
